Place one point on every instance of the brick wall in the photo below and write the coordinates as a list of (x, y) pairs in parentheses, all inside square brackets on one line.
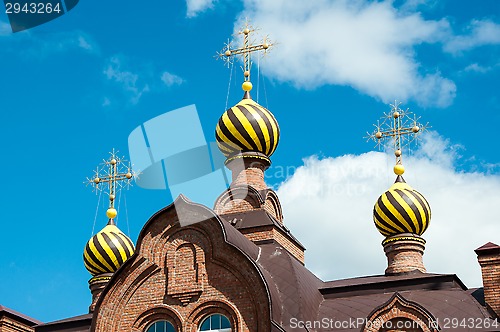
[(8, 324), (404, 254), (182, 275), (489, 260), (253, 176)]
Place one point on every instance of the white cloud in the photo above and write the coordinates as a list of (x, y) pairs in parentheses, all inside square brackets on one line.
[(481, 33), (171, 79), (328, 205), (195, 7), (475, 67), (366, 45), (412, 5), (128, 80)]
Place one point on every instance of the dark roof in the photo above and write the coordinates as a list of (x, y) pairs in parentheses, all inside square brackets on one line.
[(18, 316), (295, 289), (443, 295), (382, 283), (73, 324), (488, 249), (444, 305), (258, 218)]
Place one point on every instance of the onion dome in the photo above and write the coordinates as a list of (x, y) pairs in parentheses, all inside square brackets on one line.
[(107, 250), (247, 127), (401, 209)]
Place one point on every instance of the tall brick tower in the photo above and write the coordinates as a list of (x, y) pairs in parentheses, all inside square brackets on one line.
[(248, 134), (401, 214)]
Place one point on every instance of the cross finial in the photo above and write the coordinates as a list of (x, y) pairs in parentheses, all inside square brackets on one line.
[(111, 176), (398, 126), (228, 53)]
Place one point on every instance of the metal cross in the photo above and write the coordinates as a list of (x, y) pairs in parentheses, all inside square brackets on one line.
[(116, 173), (229, 53), (397, 125)]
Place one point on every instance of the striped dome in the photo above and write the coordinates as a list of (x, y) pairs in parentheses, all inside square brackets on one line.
[(107, 250), (247, 127), (401, 209)]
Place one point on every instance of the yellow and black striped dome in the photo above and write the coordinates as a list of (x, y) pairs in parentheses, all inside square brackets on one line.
[(401, 209), (247, 127), (107, 250)]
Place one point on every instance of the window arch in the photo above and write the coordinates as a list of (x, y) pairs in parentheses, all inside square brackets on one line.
[(216, 323), (161, 326)]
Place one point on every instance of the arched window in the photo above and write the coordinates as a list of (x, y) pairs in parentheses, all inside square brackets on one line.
[(216, 323), (161, 326)]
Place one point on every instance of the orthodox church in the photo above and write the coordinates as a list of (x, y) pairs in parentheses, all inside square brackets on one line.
[(237, 267)]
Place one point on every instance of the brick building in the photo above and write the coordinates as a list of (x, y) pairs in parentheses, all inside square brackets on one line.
[(237, 267)]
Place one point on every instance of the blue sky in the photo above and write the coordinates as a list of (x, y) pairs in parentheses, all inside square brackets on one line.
[(74, 88)]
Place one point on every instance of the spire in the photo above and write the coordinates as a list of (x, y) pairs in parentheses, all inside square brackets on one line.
[(401, 214), (107, 250), (247, 130), (248, 134)]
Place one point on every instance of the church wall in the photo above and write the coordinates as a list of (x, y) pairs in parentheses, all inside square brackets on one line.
[(182, 275)]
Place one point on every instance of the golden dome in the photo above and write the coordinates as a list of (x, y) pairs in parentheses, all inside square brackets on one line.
[(401, 209), (107, 250), (247, 127)]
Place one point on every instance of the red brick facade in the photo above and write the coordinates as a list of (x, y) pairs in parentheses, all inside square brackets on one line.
[(182, 274), (404, 253), (489, 259), (12, 321)]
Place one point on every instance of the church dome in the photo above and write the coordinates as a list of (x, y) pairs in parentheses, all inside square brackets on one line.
[(247, 127), (401, 209), (106, 251)]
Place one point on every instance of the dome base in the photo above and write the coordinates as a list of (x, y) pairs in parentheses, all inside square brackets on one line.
[(248, 157), (96, 285), (404, 253)]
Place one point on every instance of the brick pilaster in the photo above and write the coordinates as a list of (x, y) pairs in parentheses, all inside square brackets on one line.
[(489, 260)]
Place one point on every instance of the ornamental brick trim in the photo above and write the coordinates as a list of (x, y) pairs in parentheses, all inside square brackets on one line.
[(11, 325), (399, 308), (156, 313), (243, 198), (214, 307)]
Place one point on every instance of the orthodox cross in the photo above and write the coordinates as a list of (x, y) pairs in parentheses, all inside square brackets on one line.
[(229, 53), (110, 177), (398, 126)]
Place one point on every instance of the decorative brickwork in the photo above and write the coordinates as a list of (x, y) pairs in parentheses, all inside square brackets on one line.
[(243, 198), (181, 274), (8, 324), (12, 321), (404, 253), (398, 314), (489, 259)]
